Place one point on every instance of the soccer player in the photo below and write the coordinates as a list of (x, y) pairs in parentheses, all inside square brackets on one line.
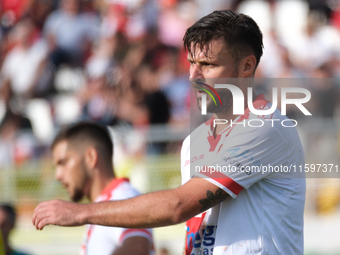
[(82, 154), (232, 212)]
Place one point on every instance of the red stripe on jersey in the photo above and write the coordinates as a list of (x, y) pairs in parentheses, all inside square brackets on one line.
[(220, 148), (89, 231), (213, 141), (192, 229), (112, 185), (209, 122), (225, 181), (230, 184)]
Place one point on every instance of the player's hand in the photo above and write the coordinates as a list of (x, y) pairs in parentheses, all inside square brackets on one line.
[(57, 212)]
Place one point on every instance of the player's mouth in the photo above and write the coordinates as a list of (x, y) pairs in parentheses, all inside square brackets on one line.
[(197, 86), (200, 92)]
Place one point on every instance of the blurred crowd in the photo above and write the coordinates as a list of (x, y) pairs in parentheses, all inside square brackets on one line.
[(121, 62)]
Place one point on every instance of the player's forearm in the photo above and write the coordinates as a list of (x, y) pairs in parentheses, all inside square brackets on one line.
[(146, 211)]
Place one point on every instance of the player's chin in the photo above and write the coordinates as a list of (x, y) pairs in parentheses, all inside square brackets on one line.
[(212, 108)]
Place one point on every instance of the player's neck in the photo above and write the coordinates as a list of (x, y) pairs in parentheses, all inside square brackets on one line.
[(227, 117), (224, 117), (99, 183)]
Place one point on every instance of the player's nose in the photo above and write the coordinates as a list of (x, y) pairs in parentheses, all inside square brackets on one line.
[(195, 72), (58, 175)]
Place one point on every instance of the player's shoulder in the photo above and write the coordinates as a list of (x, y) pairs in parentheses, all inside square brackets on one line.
[(274, 128), (123, 191)]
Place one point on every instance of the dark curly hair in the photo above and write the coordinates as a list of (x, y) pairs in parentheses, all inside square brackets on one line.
[(240, 33)]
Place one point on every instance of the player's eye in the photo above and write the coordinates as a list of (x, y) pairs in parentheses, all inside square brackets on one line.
[(61, 162)]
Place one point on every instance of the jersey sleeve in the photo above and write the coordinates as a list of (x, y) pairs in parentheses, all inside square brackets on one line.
[(104, 240), (127, 233), (246, 157)]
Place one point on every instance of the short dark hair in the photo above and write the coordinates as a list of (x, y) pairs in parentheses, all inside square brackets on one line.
[(83, 131), (10, 211), (239, 31)]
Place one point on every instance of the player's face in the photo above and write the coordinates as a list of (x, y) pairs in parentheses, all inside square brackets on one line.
[(71, 170), (219, 63)]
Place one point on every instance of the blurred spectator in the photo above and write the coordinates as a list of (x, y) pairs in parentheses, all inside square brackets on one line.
[(327, 90), (155, 104), (39, 10), (174, 82), (173, 20), (23, 66), (277, 61), (11, 11), (134, 19), (316, 46), (335, 17), (7, 223), (157, 107), (17, 142), (98, 100), (323, 7), (143, 103), (70, 33), (205, 7), (99, 96)]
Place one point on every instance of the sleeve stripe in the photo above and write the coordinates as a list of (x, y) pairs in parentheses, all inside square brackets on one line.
[(224, 181), (135, 232), (231, 185), (222, 187)]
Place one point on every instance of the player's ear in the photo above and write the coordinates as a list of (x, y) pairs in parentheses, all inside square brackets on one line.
[(91, 157), (247, 66)]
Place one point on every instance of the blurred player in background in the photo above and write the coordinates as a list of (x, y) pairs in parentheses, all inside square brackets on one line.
[(82, 154), (230, 212), (7, 223)]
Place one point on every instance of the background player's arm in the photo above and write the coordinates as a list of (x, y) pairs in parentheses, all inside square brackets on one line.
[(136, 245), (155, 209)]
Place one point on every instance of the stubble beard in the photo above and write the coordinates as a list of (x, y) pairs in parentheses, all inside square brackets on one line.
[(227, 102), (77, 195)]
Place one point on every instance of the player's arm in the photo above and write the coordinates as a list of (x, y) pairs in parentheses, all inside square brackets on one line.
[(137, 245), (155, 209)]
